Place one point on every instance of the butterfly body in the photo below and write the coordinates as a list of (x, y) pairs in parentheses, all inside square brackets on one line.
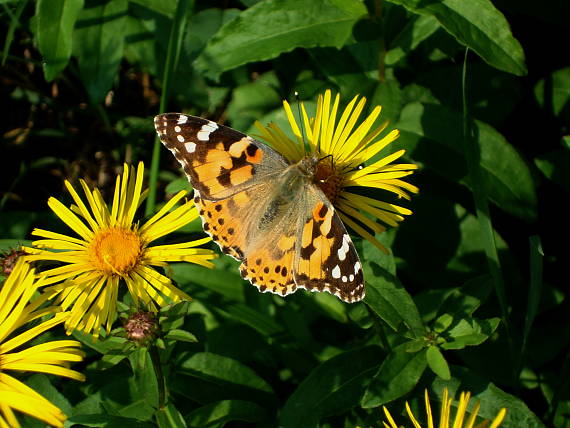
[(264, 211)]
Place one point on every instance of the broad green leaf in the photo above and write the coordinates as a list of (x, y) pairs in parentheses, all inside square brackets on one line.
[(341, 67), (100, 35), (478, 25), (145, 382), (54, 27), (416, 31), (228, 283), (553, 93), (332, 388), (108, 421), (437, 363), (203, 26), (470, 332), (398, 375), (250, 101), (272, 27), (554, 166), (221, 412), (146, 39), (42, 385), (236, 379), (442, 323), (255, 319), (13, 244), (388, 95), (181, 336), (433, 135), (165, 7), (390, 301), (177, 185)]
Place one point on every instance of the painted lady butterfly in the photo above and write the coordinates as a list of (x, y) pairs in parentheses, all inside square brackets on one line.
[(264, 211)]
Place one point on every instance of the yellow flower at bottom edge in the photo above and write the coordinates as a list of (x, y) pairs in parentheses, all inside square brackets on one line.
[(342, 145), (49, 357), (462, 419), (112, 248)]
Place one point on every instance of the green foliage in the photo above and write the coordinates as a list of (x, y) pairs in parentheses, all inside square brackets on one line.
[(472, 297)]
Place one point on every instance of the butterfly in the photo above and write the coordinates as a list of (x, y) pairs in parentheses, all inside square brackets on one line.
[(263, 210)]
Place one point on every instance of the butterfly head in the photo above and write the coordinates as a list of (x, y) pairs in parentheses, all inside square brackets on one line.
[(322, 172)]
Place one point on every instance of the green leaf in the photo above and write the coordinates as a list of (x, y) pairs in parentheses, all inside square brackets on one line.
[(42, 385), (398, 375), (416, 31), (203, 26), (226, 283), (181, 336), (470, 332), (390, 301), (437, 363), (221, 412), (341, 66), (235, 379), (554, 166), (432, 134), (442, 323), (54, 27), (100, 35), (255, 319), (107, 421), (553, 93), (272, 27), (478, 25), (251, 101), (165, 7), (332, 388), (145, 382)]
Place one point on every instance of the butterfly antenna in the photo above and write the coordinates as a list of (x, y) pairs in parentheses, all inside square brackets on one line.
[(305, 143)]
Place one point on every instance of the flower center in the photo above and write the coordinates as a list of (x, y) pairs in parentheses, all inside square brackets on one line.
[(115, 250), (328, 179)]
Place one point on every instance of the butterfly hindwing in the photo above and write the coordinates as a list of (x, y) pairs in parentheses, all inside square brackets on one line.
[(326, 257)]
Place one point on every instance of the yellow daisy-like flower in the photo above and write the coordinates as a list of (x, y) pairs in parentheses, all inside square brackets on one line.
[(463, 419), (49, 357), (112, 248), (342, 150)]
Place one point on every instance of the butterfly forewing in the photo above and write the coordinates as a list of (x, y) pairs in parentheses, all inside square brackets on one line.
[(219, 160)]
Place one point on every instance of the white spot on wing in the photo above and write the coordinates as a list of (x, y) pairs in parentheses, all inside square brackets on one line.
[(344, 248), (190, 147), (206, 130), (182, 120), (180, 138), (177, 128), (336, 272)]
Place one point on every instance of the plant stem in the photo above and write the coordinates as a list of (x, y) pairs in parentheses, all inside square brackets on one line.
[(172, 55), (155, 358)]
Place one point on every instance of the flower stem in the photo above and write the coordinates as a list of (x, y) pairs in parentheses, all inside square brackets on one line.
[(161, 381), (172, 55)]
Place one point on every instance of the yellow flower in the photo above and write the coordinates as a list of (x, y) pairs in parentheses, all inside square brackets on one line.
[(49, 357), (111, 248), (462, 419), (342, 150)]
